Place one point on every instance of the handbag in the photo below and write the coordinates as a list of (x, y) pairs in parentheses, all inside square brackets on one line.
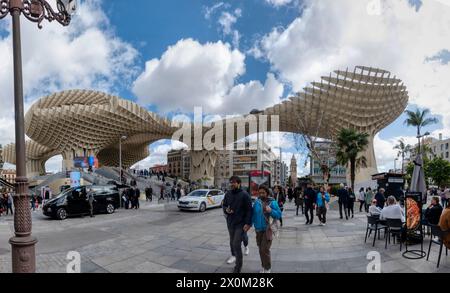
[(273, 226)]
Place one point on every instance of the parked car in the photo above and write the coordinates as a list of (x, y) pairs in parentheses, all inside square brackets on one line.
[(201, 199), (73, 202), (64, 187)]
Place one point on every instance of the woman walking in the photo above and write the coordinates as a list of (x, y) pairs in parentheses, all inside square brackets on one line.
[(369, 198), (362, 199), (281, 200), (265, 211), (323, 198), (351, 202)]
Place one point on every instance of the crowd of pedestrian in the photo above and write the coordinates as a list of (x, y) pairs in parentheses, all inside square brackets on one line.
[(130, 198), (265, 215)]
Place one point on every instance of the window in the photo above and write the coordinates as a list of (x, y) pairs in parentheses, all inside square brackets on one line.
[(213, 193), (446, 146), (446, 155)]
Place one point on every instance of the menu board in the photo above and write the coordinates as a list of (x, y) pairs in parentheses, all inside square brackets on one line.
[(413, 208)]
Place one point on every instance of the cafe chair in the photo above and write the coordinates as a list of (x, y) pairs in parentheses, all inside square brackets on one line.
[(437, 236), (373, 224), (394, 229)]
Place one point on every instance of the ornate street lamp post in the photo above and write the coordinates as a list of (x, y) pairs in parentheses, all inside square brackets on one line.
[(23, 243)]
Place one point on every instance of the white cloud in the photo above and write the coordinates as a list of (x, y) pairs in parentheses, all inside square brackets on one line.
[(334, 35), (226, 21), (209, 11), (255, 93), (192, 74), (54, 164), (158, 154), (86, 54)]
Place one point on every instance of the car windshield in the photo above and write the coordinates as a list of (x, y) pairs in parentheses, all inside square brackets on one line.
[(198, 193), (64, 193)]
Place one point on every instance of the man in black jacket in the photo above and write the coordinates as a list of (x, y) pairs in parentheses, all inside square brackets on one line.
[(237, 206), (381, 199), (433, 212), (342, 194), (309, 201)]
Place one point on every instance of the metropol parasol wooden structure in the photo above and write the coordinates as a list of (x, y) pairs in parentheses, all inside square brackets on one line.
[(79, 123)]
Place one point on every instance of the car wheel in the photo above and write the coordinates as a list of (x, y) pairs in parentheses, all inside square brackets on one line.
[(203, 207), (61, 214), (110, 208)]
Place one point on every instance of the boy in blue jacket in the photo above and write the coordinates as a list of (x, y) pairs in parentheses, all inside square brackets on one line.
[(323, 198), (264, 209)]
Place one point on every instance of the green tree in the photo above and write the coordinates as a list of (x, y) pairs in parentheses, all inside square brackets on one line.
[(403, 150), (419, 120), (410, 170), (350, 144), (438, 170)]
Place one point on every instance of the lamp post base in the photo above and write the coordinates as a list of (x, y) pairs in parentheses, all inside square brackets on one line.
[(23, 254)]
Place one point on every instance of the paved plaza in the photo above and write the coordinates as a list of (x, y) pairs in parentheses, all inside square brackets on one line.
[(161, 239)]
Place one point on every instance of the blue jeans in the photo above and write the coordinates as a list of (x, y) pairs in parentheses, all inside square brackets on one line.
[(9, 208)]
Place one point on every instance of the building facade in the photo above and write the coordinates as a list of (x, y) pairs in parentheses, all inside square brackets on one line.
[(338, 173), (10, 177), (1, 157), (179, 163), (439, 148), (245, 161), (293, 173), (224, 169), (284, 176), (159, 168)]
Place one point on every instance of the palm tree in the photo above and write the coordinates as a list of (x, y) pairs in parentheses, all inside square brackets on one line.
[(403, 150), (419, 119), (350, 144)]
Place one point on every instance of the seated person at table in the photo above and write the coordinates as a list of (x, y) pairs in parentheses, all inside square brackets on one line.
[(444, 223), (433, 212), (392, 211), (374, 211)]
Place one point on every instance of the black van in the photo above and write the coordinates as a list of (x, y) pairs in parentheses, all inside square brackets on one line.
[(73, 202)]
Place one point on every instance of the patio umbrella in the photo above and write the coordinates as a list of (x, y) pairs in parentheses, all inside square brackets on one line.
[(418, 183)]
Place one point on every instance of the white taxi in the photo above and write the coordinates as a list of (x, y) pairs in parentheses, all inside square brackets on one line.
[(201, 200)]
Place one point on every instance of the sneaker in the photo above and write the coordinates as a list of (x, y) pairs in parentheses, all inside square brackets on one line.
[(231, 260), (246, 251), (268, 271), (320, 224), (324, 224), (262, 271)]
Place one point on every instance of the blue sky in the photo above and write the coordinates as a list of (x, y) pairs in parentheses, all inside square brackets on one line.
[(254, 53), (156, 25)]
